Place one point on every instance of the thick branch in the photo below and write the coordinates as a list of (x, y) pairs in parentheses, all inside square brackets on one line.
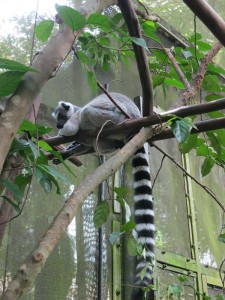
[(209, 17), (133, 26), (202, 126), (33, 264), (132, 126)]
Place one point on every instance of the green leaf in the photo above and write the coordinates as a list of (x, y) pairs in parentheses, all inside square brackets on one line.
[(132, 246), (203, 46), (13, 188), (92, 81), (34, 149), (219, 297), (114, 237), (23, 180), (139, 249), (221, 237), (175, 290), (83, 57), (45, 180), (143, 271), (130, 225), (207, 166), (14, 205), (18, 145), (71, 17), (9, 81), (157, 80), (44, 29), (189, 144), (46, 184), (99, 20), (202, 150), (15, 66), (206, 297), (195, 37), (45, 146), (181, 129), (174, 82), (120, 192), (182, 278), (216, 114), (139, 42), (221, 136), (34, 129), (215, 69), (50, 171), (149, 28), (117, 19), (215, 143), (101, 214)]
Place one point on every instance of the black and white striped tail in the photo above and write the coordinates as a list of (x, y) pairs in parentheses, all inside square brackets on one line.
[(144, 219)]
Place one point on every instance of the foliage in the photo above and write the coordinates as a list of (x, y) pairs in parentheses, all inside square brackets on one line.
[(34, 163), (10, 80)]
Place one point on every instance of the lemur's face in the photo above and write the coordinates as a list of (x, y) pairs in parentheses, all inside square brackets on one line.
[(62, 113)]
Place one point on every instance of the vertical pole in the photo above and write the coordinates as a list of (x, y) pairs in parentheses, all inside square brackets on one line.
[(192, 224)]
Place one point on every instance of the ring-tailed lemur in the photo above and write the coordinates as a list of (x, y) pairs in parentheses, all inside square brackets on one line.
[(71, 119)]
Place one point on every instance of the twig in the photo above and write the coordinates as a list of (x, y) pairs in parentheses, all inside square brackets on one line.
[(145, 14), (114, 102), (177, 68), (160, 167), (208, 190), (145, 8), (220, 272)]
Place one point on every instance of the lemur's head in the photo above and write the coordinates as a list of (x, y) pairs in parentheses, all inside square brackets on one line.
[(63, 112)]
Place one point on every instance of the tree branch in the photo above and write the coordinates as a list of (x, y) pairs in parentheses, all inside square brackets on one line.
[(209, 17), (192, 91), (34, 263), (202, 126), (177, 68), (133, 26), (132, 126)]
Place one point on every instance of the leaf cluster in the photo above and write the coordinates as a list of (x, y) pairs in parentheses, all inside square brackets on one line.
[(33, 163)]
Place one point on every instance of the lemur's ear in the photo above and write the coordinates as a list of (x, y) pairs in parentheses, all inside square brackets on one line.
[(64, 105)]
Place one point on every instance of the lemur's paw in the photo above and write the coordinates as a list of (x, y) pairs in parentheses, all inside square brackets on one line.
[(68, 129)]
